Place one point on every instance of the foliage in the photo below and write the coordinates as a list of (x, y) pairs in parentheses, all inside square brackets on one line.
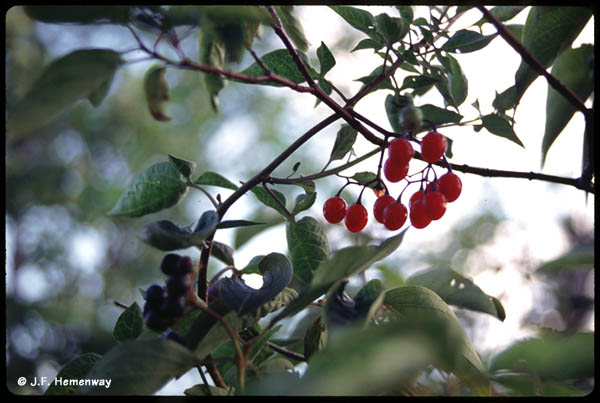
[(384, 338)]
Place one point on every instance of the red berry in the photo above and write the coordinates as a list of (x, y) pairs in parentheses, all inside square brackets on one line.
[(435, 204), (393, 171), (334, 210), (380, 204), (394, 216), (400, 151), (433, 146), (418, 215), (450, 186), (416, 196), (356, 218)]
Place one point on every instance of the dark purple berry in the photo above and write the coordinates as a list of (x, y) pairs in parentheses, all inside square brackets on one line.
[(155, 321), (172, 307), (155, 296), (169, 263), (171, 335), (177, 286), (184, 266)]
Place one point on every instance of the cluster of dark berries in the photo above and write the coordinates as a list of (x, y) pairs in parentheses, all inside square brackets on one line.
[(165, 304), (425, 205)]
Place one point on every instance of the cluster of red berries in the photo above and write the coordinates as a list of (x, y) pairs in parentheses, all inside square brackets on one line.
[(164, 305), (424, 206)]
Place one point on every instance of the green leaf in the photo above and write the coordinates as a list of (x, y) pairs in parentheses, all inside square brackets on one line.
[(393, 108), (222, 252), (414, 304), (572, 260), (166, 235), (439, 115), (365, 178), (420, 83), (573, 69), (552, 356), (342, 264), (252, 266), (183, 166), (344, 140), (457, 81), (406, 12), (88, 14), (132, 367), (374, 75), (268, 200), (308, 246), (357, 18), (292, 27), (214, 179), (304, 201), (281, 63), (502, 13), (326, 59), (243, 299), (97, 96), (237, 223), (158, 187), (515, 29), (65, 81), (315, 338), (465, 41), (499, 126), (546, 36), (390, 28), (368, 44), (205, 390), (458, 290), (156, 89), (206, 224), (75, 369), (212, 53), (129, 324)]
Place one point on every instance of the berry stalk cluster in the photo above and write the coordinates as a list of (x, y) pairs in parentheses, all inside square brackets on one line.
[(165, 304), (426, 205)]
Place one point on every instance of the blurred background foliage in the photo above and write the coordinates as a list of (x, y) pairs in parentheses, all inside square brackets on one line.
[(67, 261)]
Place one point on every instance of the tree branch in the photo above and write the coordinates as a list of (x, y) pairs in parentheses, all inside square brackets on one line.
[(534, 63)]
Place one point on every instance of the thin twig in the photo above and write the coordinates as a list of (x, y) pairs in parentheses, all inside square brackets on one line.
[(283, 351), (200, 188)]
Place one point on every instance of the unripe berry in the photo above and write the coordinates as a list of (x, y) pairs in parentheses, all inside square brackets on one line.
[(411, 118), (356, 218), (400, 151), (433, 146), (435, 205), (450, 186), (334, 210), (394, 172), (380, 204), (394, 216)]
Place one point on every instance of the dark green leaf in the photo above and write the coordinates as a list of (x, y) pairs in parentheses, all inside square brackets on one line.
[(406, 12), (391, 29), (356, 17), (222, 252), (465, 41), (573, 69), (344, 141), (206, 224), (281, 63), (499, 126), (214, 179), (88, 14), (415, 304), (516, 30), (293, 27), (368, 44), (239, 297), (129, 324), (237, 223), (205, 390), (439, 115), (393, 108), (458, 290), (183, 166), (315, 338), (158, 187), (308, 246), (546, 36), (552, 356), (326, 59), (572, 260), (65, 81), (342, 264), (77, 368), (502, 13), (375, 74), (97, 96), (166, 235), (418, 82), (304, 201), (457, 81), (268, 200), (365, 178)]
